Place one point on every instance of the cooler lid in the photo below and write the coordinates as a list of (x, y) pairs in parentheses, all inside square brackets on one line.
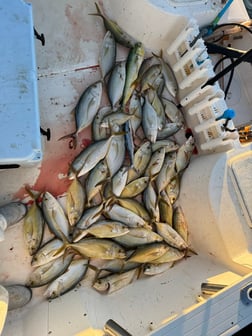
[(20, 140)]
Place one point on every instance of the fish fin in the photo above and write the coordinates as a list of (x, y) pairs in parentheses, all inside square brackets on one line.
[(99, 12)]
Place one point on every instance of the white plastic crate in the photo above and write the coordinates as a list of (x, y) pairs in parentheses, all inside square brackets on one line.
[(167, 304)]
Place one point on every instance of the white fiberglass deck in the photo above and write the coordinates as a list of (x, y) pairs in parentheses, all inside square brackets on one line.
[(67, 64)]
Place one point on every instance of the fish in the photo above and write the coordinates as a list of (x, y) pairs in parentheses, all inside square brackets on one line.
[(68, 280), (86, 108), (168, 130), (171, 83), (96, 180), (158, 107), (107, 229), (149, 121), (116, 84), (165, 208), (171, 236), (180, 223), (89, 157), (55, 216), (119, 181), (96, 248), (171, 255), (150, 200), (115, 154), (45, 254), (137, 237), (155, 163), (172, 112), (135, 110), (184, 154), (126, 216), (46, 273), (129, 141), (115, 118), (149, 252), (140, 162), (120, 35), (149, 77), (98, 132), (167, 172), (117, 266), (169, 145), (75, 201), (172, 189), (154, 269), (133, 63), (33, 227), (134, 206), (90, 216), (108, 54), (135, 187), (114, 282)]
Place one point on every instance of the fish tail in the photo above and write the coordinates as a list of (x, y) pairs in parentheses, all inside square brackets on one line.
[(99, 12)]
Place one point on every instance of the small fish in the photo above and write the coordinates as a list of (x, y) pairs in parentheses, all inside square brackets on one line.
[(137, 237), (89, 157), (180, 223), (135, 187), (55, 216), (108, 54), (96, 179), (129, 141), (115, 154), (158, 107), (167, 172), (171, 236), (150, 200), (117, 266), (46, 273), (173, 188), (90, 216), (111, 283), (172, 112), (171, 255), (121, 214), (149, 77), (115, 118), (75, 201), (149, 121), (165, 208), (155, 163), (96, 248), (169, 145), (107, 229), (119, 181), (116, 84), (168, 130), (46, 252), (33, 227), (184, 154), (134, 61), (135, 206), (141, 160), (120, 35), (68, 280), (149, 252), (154, 269), (98, 132), (171, 83)]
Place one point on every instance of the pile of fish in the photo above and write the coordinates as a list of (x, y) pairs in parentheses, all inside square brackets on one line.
[(121, 216)]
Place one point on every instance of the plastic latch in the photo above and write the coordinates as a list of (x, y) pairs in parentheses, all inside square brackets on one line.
[(246, 294), (228, 114)]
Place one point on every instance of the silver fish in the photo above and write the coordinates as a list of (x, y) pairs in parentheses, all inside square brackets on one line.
[(158, 107), (150, 200), (115, 154), (89, 157), (75, 201), (114, 282), (184, 154), (55, 216), (155, 163), (108, 54), (107, 229), (149, 77), (167, 172), (169, 145), (46, 252), (68, 280), (119, 181), (137, 237), (96, 179), (90, 216), (168, 130), (134, 61), (135, 110), (116, 84), (87, 106), (46, 273), (121, 214), (148, 252), (154, 269), (98, 132), (149, 121), (172, 112), (171, 236), (115, 118)]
